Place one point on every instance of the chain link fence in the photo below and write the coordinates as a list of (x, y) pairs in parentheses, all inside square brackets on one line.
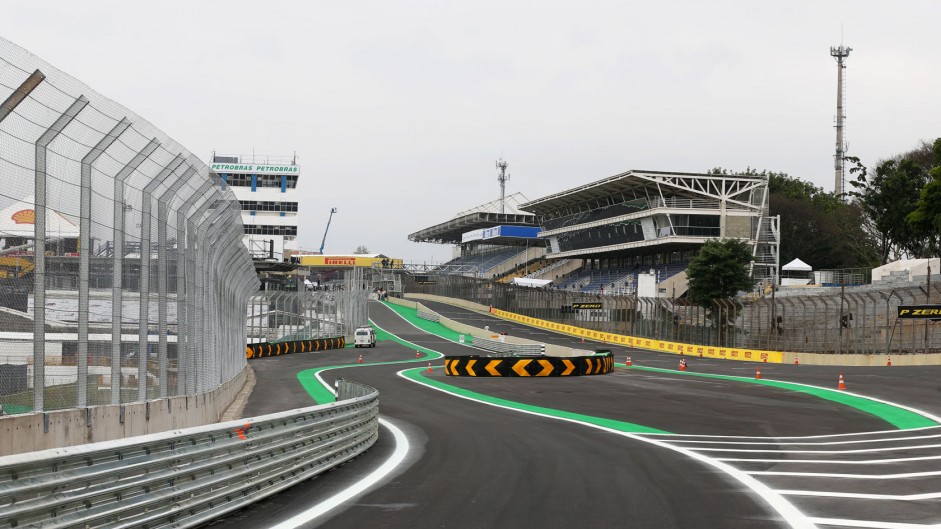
[(123, 276), (328, 311), (860, 320)]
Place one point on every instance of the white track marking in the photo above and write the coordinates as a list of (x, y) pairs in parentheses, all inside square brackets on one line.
[(788, 511), (862, 496), (361, 486), (827, 443), (857, 451), (896, 431), (848, 476), (831, 461), (871, 524)]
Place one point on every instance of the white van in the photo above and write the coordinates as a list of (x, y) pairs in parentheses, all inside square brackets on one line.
[(365, 337)]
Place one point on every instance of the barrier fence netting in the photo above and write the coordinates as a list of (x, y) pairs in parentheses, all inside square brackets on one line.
[(857, 320), (123, 276)]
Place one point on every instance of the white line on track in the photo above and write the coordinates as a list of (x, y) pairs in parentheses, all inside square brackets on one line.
[(857, 441), (360, 487), (862, 496), (791, 437), (857, 451), (869, 524), (849, 476), (833, 462)]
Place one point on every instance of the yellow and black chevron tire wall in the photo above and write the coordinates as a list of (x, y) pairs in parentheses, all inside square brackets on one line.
[(260, 350), (482, 366)]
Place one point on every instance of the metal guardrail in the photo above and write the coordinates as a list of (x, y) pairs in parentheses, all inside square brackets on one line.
[(425, 315), (187, 477), (510, 349)]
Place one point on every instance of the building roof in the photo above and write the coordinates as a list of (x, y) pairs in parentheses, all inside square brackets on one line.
[(638, 184), (483, 216)]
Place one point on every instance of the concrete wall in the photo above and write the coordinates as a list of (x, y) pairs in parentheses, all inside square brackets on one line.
[(469, 305), (27, 433)]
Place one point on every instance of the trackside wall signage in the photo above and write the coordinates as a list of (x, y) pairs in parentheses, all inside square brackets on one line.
[(919, 311), (254, 168), (584, 305), (707, 351)]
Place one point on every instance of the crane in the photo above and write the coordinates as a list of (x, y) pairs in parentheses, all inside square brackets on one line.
[(324, 241)]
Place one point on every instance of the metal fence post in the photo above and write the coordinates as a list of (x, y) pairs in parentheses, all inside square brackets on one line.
[(117, 270), (84, 256), (143, 349), (39, 250), (183, 273), (163, 218)]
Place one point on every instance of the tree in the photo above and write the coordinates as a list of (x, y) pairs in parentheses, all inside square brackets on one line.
[(361, 250), (816, 226), (720, 270), (926, 219)]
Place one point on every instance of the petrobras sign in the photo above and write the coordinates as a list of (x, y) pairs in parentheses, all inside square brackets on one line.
[(254, 168)]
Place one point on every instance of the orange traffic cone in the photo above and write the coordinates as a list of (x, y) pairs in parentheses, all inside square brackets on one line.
[(888, 361), (758, 373), (628, 363), (417, 354), (842, 384), (795, 360), (429, 367), (360, 359), (682, 365), (583, 340)]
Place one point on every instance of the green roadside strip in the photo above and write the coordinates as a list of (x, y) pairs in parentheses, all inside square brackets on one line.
[(431, 327), (900, 418), (322, 395), (417, 375)]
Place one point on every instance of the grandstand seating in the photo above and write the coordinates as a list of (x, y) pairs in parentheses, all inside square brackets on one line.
[(616, 279), (486, 261)]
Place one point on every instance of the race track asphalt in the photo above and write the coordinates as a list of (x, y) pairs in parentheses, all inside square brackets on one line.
[(476, 466)]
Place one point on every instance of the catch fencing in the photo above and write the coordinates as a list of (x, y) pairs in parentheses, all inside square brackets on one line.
[(123, 276), (329, 311), (860, 320)]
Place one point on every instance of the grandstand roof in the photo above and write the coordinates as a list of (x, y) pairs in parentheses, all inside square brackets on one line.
[(633, 184), (483, 216)]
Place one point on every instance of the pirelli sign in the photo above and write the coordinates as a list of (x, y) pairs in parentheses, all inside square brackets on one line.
[(920, 312)]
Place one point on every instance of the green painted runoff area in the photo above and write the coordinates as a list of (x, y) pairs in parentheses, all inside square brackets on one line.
[(898, 417), (431, 327)]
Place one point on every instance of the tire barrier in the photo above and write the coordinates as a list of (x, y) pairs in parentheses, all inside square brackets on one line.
[(549, 366), (260, 350)]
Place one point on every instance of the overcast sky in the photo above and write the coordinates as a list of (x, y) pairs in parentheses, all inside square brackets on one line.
[(398, 109)]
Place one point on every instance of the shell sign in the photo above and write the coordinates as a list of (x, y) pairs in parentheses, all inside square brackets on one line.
[(24, 216)]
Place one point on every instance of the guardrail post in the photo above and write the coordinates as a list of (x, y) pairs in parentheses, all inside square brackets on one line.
[(39, 249), (117, 270), (84, 255)]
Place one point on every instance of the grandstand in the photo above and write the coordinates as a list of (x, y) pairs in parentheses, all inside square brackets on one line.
[(652, 222), (603, 236), (492, 240)]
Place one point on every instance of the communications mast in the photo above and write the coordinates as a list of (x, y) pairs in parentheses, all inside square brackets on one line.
[(840, 53), (502, 178)]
